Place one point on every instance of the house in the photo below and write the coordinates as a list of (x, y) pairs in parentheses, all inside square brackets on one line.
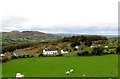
[(94, 45), (2, 57), (77, 47), (106, 47), (64, 51), (50, 51), (20, 54)]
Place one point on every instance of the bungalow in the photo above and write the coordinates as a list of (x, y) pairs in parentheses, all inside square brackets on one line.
[(77, 47), (20, 54), (94, 45), (105, 46), (50, 51), (1, 57), (64, 51)]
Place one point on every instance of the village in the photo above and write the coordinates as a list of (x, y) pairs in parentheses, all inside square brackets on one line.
[(65, 49)]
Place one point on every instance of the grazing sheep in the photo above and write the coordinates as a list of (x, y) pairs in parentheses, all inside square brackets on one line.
[(67, 72), (71, 70), (19, 76)]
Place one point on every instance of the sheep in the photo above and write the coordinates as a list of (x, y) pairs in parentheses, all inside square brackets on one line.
[(19, 75), (67, 72), (71, 70)]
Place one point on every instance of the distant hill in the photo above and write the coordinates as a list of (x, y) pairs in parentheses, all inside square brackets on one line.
[(17, 36), (73, 34)]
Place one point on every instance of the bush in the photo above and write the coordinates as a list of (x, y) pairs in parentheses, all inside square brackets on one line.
[(31, 56), (97, 51), (40, 55), (83, 53), (75, 49), (105, 53), (107, 49), (88, 43), (112, 52), (59, 55), (79, 54)]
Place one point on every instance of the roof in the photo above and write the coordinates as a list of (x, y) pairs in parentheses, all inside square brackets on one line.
[(21, 53), (50, 49), (65, 49)]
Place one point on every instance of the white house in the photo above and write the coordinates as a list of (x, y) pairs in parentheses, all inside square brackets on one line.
[(94, 45), (77, 47), (105, 46), (50, 51), (64, 51), (2, 55)]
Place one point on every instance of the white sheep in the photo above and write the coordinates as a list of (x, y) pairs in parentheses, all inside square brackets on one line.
[(67, 72), (19, 75), (71, 70)]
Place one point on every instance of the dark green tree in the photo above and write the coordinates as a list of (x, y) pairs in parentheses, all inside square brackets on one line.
[(88, 43)]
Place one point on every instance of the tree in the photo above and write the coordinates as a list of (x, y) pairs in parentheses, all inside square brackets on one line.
[(73, 44), (83, 38), (88, 43), (97, 51)]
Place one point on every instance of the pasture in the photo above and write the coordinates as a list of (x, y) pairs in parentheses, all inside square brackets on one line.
[(91, 66)]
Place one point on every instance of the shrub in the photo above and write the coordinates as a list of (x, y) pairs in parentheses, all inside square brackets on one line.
[(32, 56), (78, 54), (97, 51), (75, 49), (83, 53), (112, 52), (107, 49), (88, 43), (40, 55), (59, 55)]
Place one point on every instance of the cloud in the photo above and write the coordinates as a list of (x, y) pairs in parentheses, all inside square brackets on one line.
[(12, 23), (22, 24)]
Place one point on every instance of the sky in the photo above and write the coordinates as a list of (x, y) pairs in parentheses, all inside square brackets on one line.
[(60, 16)]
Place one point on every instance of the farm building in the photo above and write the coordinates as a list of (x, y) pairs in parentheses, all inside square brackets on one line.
[(77, 47), (22, 54), (94, 45), (105, 46), (1, 57), (50, 51), (64, 51)]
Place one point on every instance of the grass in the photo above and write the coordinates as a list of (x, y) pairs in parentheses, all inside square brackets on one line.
[(92, 66), (0, 70)]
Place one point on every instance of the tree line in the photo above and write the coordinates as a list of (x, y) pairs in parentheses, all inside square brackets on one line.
[(87, 39)]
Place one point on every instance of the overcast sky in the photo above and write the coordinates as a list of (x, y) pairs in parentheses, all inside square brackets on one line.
[(60, 16)]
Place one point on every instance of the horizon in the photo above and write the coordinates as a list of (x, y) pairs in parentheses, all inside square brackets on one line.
[(67, 33)]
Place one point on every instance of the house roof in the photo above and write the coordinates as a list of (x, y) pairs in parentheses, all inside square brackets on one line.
[(21, 53), (50, 49), (65, 49), (95, 45)]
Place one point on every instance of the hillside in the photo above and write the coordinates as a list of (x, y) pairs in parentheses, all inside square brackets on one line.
[(25, 36)]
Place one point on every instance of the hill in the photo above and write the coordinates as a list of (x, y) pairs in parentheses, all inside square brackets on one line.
[(25, 36)]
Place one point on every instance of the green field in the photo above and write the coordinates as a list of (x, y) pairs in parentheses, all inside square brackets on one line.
[(92, 66)]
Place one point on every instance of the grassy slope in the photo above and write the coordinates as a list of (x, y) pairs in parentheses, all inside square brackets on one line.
[(94, 66)]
